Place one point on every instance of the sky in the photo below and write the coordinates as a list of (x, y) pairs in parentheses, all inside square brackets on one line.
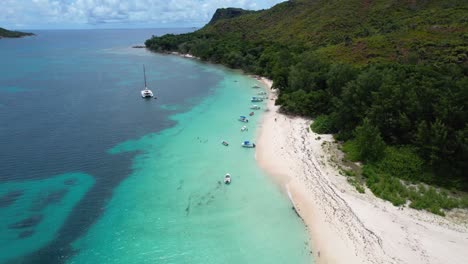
[(88, 14)]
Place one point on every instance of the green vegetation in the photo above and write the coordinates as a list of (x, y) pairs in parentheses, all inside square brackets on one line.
[(420, 196), (12, 34), (370, 144), (390, 78), (227, 13), (352, 150), (353, 180), (322, 125)]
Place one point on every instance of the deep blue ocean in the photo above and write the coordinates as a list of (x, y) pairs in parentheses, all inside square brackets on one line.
[(77, 141)]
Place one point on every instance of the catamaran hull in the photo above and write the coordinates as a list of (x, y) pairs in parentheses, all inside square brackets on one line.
[(146, 95)]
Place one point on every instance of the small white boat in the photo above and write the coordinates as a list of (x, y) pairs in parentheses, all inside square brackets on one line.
[(225, 143), (243, 119), (248, 144), (255, 107), (227, 178), (146, 93), (244, 128), (256, 99)]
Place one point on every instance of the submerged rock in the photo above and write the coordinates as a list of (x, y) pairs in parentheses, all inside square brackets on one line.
[(10, 198), (70, 182), (26, 234), (28, 222), (51, 198)]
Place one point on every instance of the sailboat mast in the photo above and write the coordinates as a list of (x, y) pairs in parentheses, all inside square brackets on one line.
[(144, 74)]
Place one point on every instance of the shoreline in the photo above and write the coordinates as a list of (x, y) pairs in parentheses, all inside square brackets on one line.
[(186, 55), (343, 225)]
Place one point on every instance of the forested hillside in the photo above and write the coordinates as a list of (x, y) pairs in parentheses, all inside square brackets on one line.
[(388, 77), (13, 34)]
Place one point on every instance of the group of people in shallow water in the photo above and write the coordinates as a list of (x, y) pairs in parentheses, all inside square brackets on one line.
[(201, 141)]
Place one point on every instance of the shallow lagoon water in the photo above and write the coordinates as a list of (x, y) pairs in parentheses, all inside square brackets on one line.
[(174, 207)]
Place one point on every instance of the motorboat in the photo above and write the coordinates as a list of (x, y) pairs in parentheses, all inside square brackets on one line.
[(243, 119), (227, 178), (251, 113), (244, 128), (255, 107), (255, 86), (262, 93), (256, 99), (146, 93), (248, 144), (225, 143)]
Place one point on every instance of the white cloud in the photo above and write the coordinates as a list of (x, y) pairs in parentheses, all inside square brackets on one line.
[(34, 13)]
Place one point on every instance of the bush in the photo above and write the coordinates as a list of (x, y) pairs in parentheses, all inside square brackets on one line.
[(351, 149), (385, 186), (433, 200), (369, 142), (395, 191), (401, 162), (323, 124)]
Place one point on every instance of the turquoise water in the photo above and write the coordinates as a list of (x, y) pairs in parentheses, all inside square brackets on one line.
[(41, 206), (174, 208), (91, 173)]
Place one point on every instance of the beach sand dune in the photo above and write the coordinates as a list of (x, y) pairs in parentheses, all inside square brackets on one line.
[(344, 225)]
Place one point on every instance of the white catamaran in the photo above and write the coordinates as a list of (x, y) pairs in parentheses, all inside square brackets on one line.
[(146, 93)]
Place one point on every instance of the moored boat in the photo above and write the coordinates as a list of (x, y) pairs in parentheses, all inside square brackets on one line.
[(256, 99), (244, 128), (227, 178), (225, 143), (146, 93), (248, 144), (243, 119), (255, 107)]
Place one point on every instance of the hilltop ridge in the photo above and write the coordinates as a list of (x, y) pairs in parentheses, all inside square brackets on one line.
[(354, 31), (228, 13)]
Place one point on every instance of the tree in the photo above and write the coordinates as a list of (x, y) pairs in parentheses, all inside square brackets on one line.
[(370, 144), (338, 76)]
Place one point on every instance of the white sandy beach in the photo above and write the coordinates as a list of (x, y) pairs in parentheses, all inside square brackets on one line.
[(344, 225)]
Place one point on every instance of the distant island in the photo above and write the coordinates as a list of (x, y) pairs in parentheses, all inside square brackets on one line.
[(4, 33)]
